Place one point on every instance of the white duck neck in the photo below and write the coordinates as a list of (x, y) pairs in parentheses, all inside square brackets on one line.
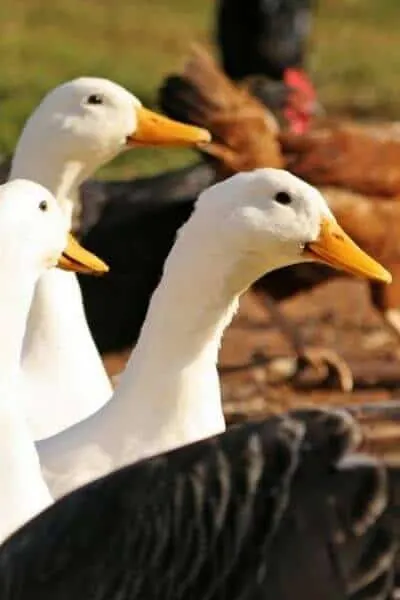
[(60, 176), (170, 388)]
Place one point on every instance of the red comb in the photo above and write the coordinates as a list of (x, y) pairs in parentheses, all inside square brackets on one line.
[(298, 79), (299, 112)]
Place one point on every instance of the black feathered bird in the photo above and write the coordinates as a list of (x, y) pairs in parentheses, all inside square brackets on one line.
[(262, 37), (274, 510)]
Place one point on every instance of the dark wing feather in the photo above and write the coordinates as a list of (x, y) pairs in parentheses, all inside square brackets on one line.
[(278, 510), (135, 249), (197, 523)]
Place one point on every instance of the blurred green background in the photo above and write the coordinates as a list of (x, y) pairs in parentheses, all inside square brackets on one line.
[(354, 56)]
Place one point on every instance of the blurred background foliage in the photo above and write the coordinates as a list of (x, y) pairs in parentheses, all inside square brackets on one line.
[(354, 57)]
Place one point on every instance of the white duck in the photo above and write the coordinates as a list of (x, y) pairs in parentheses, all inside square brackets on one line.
[(33, 238), (80, 125), (169, 394)]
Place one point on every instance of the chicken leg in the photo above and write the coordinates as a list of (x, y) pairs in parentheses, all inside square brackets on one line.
[(330, 367)]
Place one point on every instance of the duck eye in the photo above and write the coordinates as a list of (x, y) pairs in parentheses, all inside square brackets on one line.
[(283, 198), (95, 99), (43, 206)]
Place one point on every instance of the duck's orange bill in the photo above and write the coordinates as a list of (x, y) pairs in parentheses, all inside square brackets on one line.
[(76, 258), (335, 248), (156, 130)]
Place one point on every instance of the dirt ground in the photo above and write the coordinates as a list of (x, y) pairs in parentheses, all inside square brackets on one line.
[(336, 316)]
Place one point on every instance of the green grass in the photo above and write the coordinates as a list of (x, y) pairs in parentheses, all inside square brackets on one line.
[(354, 56)]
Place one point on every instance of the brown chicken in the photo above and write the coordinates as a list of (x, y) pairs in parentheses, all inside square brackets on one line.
[(374, 222), (246, 139), (203, 94), (360, 158)]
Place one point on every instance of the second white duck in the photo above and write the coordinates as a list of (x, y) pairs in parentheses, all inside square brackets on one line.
[(169, 394)]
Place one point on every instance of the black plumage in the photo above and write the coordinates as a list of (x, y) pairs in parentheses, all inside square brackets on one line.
[(276, 510), (110, 202), (262, 37)]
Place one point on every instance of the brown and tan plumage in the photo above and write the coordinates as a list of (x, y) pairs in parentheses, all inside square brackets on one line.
[(245, 134), (360, 158), (363, 180)]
